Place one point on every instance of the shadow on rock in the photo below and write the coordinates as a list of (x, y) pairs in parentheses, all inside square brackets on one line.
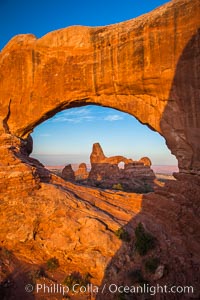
[(170, 215)]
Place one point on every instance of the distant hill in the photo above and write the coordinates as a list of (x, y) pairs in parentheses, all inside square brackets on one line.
[(167, 170)]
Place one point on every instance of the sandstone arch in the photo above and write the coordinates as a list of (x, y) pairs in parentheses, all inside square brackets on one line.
[(147, 67), (146, 161), (130, 66)]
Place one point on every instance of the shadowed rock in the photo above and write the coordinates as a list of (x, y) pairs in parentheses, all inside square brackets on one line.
[(68, 173)]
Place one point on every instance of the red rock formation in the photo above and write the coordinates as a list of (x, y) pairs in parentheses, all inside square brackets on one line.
[(81, 173), (69, 222), (146, 161), (105, 173), (68, 173), (172, 216), (147, 67), (136, 66), (97, 154)]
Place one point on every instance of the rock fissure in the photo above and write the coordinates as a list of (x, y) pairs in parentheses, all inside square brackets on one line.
[(5, 120)]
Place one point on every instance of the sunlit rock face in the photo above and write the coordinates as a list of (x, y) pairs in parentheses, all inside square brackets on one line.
[(136, 176), (147, 67), (82, 172), (106, 173)]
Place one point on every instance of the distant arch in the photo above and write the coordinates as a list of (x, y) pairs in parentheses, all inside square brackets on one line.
[(121, 165)]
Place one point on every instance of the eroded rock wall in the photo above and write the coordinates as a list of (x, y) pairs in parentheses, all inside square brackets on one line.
[(82, 172), (136, 176), (147, 67)]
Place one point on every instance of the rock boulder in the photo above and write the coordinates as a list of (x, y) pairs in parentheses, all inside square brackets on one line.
[(68, 173)]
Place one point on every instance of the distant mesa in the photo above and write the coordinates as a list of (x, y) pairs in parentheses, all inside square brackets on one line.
[(136, 176)]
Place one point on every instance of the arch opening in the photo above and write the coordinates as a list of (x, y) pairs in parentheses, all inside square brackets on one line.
[(123, 79), (121, 165), (66, 140)]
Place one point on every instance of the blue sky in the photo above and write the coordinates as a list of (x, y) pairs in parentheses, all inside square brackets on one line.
[(68, 136), (41, 16)]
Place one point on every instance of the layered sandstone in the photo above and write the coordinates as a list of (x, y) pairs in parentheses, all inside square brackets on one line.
[(172, 216), (105, 172), (147, 67), (136, 176), (81, 173), (77, 225), (74, 224)]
